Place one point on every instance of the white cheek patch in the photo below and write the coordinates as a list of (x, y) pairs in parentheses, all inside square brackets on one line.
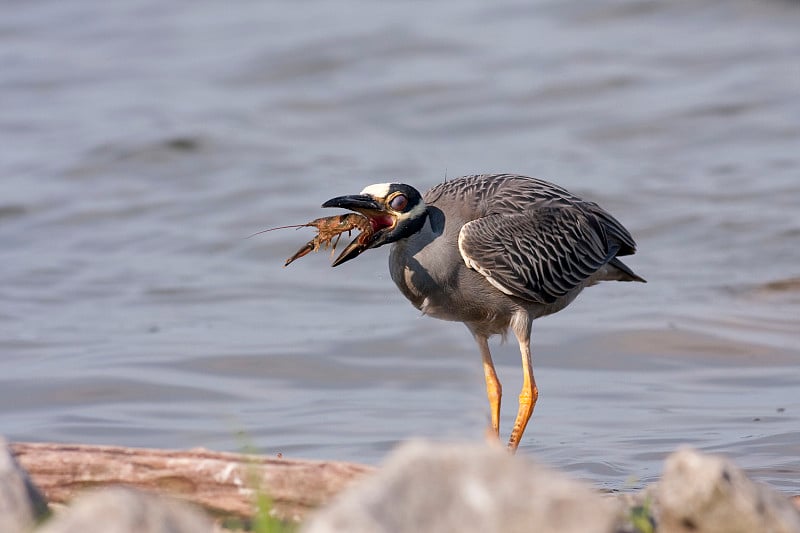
[(378, 190), (414, 213)]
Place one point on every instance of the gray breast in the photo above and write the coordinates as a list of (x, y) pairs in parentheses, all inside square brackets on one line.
[(430, 271)]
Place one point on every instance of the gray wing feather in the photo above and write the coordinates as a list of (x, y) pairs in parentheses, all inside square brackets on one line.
[(510, 194), (537, 255)]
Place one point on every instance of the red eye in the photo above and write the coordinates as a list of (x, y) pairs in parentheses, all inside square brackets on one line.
[(398, 203)]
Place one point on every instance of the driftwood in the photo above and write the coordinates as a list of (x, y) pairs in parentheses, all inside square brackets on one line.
[(225, 484)]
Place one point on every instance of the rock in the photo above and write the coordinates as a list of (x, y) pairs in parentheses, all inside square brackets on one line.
[(709, 494), (122, 510), (21, 503), (465, 488)]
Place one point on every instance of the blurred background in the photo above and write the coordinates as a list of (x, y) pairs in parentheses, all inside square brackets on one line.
[(141, 142)]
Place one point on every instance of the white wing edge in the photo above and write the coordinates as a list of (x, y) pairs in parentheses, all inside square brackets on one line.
[(474, 266)]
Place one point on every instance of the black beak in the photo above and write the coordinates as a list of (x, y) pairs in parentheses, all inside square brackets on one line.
[(352, 251), (360, 203)]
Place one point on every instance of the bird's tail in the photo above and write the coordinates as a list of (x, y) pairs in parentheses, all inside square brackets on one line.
[(626, 274)]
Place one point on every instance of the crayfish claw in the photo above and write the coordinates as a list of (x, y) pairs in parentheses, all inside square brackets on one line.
[(305, 250)]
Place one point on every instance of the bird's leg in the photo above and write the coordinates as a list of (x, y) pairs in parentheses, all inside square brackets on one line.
[(529, 393), (494, 391)]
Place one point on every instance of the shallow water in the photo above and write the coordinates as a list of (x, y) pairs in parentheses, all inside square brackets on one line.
[(142, 143)]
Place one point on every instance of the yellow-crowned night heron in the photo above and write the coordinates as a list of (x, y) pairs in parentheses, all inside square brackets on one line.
[(494, 252)]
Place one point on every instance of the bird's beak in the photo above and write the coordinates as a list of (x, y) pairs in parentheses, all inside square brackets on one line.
[(360, 203), (352, 251), (374, 211)]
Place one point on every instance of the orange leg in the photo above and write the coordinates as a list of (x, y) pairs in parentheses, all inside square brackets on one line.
[(494, 391), (529, 393)]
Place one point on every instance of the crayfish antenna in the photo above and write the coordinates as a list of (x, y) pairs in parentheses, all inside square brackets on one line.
[(279, 227)]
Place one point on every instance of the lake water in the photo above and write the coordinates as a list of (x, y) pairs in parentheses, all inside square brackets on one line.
[(142, 141)]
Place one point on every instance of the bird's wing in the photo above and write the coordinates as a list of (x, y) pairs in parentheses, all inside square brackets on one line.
[(537, 255), (510, 194)]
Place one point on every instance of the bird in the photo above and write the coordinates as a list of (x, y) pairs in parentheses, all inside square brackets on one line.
[(495, 252)]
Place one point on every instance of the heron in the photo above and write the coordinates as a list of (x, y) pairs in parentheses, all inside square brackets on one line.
[(494, 251)]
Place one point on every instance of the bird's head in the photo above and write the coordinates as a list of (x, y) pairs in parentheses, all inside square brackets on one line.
[(395, 210)]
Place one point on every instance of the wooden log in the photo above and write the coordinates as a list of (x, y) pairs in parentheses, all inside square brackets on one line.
[(225, 484)]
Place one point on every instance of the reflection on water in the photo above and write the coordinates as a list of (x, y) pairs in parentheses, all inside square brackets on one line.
[(142, 145)]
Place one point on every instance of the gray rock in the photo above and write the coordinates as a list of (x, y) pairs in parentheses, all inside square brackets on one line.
[(709, 494), (465, 488), (122, 510), (21, 503)]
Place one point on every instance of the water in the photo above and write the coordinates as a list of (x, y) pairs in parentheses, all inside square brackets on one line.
[(142, 142)]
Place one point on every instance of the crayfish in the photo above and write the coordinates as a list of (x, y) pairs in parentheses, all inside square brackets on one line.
[(329, 231)]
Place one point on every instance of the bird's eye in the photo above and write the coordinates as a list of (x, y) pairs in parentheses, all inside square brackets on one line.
[(398, 203)]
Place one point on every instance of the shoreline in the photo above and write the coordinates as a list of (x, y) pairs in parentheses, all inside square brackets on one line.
[(226, 485)]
